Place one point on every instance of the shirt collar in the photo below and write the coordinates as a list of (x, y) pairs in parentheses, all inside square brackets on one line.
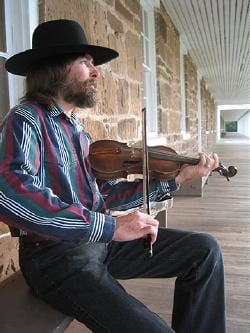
[(56, 110)]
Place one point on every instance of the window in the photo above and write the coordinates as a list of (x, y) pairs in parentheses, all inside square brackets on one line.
[(4, 91), (149, 65), (17, 21), (231, 126)]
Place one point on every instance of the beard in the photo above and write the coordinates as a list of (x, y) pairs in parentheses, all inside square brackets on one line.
[(81, 94)]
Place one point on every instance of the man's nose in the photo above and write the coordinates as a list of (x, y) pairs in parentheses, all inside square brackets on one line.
[(94, 72)]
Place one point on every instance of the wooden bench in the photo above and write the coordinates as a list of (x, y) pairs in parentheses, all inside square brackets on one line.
[(21, 312)]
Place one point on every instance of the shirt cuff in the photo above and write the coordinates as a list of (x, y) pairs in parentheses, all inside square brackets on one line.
[(169, 185), (103, 228)]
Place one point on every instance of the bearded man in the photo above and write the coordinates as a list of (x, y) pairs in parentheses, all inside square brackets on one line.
[(72, 249)]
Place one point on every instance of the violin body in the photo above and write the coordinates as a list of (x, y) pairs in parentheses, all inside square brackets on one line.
[(113, 159)]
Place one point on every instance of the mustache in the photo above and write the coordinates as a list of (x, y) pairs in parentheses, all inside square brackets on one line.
[(84, 84), (88, 84), (91, 82)]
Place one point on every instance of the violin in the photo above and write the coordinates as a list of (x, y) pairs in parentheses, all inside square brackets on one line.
[(113, 159)]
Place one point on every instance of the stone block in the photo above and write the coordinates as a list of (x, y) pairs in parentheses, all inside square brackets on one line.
[(127, 129), (134, 6), (8, 256), (123, 11), (115, 23)]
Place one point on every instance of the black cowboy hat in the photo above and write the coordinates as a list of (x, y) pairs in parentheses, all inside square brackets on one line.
[(55, 38)]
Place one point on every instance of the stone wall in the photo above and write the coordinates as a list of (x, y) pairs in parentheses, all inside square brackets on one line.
[(8, 253), (208, 118), (168, 78), (169, 97), (190, 146)]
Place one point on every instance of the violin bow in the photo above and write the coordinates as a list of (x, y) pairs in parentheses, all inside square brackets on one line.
[(146, 201)]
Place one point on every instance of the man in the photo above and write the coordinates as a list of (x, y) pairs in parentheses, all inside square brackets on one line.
[(72, 249)]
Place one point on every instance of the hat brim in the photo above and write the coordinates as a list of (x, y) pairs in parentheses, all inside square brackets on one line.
[(20, 63)]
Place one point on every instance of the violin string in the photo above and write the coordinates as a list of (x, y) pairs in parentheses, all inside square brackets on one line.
[(171, 157)]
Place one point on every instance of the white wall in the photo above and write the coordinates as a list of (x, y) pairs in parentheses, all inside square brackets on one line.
[(244, 124), (239, 113)]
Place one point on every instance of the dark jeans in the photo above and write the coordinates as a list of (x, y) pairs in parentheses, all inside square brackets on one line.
[(80, 280)]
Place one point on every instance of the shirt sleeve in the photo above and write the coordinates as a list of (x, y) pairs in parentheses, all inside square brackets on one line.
[(124, 195), (25, 201)]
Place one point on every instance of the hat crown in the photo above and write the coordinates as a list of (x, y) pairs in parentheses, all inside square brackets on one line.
[(58, 32)]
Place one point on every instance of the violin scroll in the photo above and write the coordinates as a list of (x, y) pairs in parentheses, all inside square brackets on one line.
[(229, 172)]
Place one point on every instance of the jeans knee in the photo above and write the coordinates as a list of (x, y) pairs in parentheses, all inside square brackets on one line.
[(211, 244), (210, 250)]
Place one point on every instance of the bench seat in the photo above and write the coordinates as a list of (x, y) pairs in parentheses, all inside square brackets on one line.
[(21, 312)]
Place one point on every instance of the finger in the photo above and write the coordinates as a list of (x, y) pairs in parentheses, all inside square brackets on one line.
[(147, 219), (208, 161), (215, 159), (203, 160), (152, 231), (151, 221), (211, 161)]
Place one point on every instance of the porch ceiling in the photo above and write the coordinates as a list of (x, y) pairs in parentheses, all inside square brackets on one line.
[(216, 33)]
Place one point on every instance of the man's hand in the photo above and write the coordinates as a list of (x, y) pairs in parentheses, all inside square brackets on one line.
[(206, 165), (135, 225)]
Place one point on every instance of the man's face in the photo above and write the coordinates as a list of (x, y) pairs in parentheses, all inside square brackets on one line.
[(80, 87)]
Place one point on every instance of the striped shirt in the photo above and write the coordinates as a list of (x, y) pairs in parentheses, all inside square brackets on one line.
[(47, 186)]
